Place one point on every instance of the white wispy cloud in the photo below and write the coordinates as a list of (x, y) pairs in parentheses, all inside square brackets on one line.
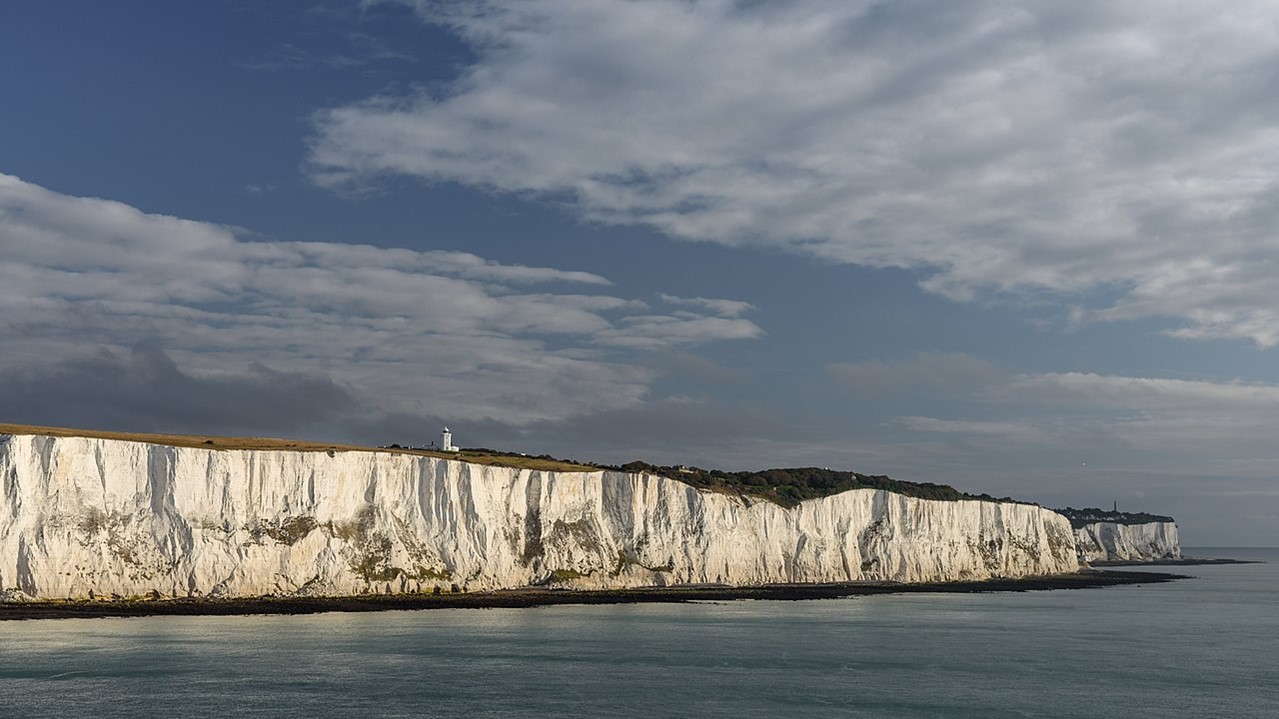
[(1147, 394), (446, 333), (724, 308), (1119, 156)]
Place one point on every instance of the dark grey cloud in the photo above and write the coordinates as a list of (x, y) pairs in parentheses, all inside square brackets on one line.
[(144, 390)]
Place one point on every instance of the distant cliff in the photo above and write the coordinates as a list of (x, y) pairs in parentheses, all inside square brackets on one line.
[(86, 515), (1123, 536)]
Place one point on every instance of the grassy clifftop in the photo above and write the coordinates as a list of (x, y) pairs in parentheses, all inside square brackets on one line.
[(485, 457), (786, 487), (789, 487)]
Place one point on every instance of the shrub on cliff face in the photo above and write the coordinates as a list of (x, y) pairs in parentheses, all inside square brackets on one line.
[(560, 576), (289, 530)]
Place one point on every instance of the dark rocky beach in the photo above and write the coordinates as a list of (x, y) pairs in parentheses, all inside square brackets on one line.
[(1179, 562), (537, 597)]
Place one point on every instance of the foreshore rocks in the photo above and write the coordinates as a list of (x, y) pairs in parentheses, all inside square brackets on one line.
[(84, 517)]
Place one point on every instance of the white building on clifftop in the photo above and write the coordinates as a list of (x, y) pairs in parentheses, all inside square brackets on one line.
[(446, 441)]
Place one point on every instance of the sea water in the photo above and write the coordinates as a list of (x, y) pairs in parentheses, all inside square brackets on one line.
[(1205, 647)]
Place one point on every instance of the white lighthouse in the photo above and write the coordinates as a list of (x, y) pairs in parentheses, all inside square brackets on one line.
[(446, 441)]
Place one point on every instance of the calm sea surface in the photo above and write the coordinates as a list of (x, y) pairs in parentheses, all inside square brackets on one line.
[(1207, 647)]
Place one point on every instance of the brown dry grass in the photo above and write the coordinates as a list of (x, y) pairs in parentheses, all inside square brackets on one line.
[(293, 445)]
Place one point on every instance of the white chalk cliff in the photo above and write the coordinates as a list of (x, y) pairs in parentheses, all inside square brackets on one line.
[(1119, 542), (81, 515)]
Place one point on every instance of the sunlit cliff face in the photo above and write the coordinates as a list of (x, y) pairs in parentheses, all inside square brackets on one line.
[(82, 515)]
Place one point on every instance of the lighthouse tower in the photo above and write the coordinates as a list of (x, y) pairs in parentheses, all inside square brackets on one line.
[(446, 441)]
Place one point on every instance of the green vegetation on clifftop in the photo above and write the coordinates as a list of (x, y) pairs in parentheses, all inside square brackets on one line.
[(1081, 517), (786, 487), (789, 487)]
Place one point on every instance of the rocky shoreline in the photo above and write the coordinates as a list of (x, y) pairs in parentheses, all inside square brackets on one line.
[(1169, 562), (533, 597)]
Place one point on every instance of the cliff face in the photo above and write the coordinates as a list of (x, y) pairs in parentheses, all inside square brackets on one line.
[(81, 515), (1118, 542)]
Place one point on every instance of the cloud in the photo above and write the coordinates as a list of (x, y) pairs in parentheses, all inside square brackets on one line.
[(723, 308), (1216, 422), (1147, 393), (394, 331), (1000, 431), (948, 373), (1119, 157), (1160, 414), (145, 390)]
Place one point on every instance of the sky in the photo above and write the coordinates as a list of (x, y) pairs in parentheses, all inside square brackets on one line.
[(1027, 249)]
